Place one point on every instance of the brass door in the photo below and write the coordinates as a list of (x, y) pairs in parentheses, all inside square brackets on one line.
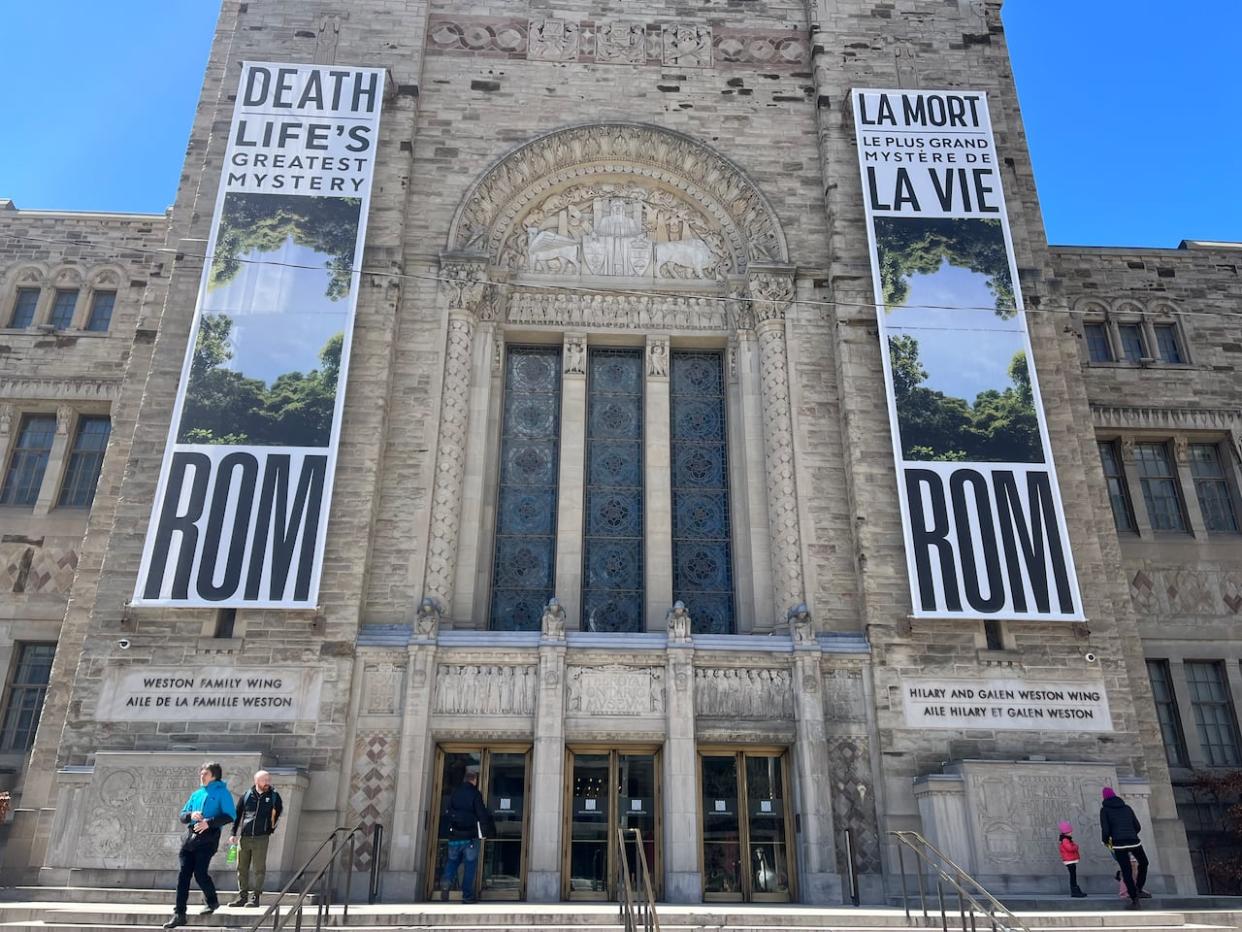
[(504, 775), (607, 788), (747, 837)]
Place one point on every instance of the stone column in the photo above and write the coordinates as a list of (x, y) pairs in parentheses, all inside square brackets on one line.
[(771, 290), (657, 484), (466, 289), (543, 858), (817, 856), (54, 474), (571, 491), (683, 875), (407, 848)]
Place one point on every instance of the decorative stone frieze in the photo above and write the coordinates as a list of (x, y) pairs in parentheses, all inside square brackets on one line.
[(687, 45), (616, 312), (552, 40), (752, 694), (485, 689)]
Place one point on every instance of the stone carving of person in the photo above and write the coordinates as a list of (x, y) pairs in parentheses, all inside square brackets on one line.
[(678, 622), (553, 622), (800, 629), (657, 358), (427, 621), (617, 246)]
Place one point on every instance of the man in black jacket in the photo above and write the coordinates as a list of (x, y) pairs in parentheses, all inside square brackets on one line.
[(468, 821), (1119, 829), (258, 811)]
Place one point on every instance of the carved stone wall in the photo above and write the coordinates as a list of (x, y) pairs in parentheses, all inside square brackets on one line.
[(485, 689), (615, 689), (743, 693)]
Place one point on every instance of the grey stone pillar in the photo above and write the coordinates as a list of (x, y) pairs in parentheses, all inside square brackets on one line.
[(683, 874), (543, 870), (657, 483), (817, 859), (407, 848), (771, 291), (571, 490), (466, 289)]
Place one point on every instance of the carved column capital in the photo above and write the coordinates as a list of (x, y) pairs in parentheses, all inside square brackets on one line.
[(771, 291), (466, 286)]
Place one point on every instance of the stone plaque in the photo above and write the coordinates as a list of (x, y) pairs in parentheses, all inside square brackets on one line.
[(180, 694), (1008, 704)]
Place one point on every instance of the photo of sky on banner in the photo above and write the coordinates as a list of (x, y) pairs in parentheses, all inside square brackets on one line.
[(268, 351), (961, 379)]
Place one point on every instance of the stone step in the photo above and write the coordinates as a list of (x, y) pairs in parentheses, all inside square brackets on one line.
[(131, 895)]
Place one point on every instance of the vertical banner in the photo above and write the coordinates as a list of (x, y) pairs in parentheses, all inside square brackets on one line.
[(981, 508), (241, 509)]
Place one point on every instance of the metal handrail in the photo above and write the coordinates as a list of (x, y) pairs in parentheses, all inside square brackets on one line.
[(968, 889), (636, 915), (324, 901)]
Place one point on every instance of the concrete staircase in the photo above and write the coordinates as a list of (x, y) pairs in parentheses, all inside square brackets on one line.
[(84, 909)]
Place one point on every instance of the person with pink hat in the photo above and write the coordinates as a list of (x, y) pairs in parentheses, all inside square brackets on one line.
[(1069, 857), (1119, 830)]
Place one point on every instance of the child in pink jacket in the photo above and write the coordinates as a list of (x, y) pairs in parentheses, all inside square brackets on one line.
[(1070, 857)]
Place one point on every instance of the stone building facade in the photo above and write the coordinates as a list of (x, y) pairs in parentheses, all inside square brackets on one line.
[(533, 396)]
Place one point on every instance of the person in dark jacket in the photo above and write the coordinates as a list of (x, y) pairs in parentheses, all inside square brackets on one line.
[(1119, 830), (208, 809), (468, 821), (258, 811)]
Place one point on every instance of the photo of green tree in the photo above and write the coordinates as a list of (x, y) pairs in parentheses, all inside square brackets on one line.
[(957, 351), (267, 357)]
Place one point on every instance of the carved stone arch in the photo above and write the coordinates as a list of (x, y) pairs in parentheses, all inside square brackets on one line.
[(26, 276), (615, 161), (105, 278), (1091, 307), (1128, 307), (67, 277), (1165, 309)]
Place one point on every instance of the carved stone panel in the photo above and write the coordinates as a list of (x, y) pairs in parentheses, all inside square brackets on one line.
[(853, 802), (687, 45), (553, 40), (753, 694), (381, 688), (485, 689), (615, 689), (621, 44)]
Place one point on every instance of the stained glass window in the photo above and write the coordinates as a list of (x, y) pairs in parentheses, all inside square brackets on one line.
[(702, 559), (523, 573), (612, 553)]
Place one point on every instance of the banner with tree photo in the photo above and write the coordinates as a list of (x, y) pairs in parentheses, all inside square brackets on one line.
[(984, 525), (241, 509)]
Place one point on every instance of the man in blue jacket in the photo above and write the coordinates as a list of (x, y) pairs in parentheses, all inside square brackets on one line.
[(208, 808)]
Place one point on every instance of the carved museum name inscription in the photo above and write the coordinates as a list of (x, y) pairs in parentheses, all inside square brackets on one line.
[(150, 694)]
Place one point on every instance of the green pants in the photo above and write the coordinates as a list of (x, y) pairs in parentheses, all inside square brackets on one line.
[(251, 863)]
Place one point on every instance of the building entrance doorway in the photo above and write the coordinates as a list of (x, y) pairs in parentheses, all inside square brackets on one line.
[(504, 772), (746, 826), (609, 788)]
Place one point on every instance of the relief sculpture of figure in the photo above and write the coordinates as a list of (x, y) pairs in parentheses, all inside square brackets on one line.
[(618, 245), (553, 622), (427, 622), (678, 621), (800, 629)]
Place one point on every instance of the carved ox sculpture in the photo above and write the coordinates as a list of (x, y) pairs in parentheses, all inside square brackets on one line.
[(544, 247), (693, 254)]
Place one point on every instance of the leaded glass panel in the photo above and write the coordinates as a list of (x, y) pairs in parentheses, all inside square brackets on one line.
[(612, 545), (702, 556), (523, 572)]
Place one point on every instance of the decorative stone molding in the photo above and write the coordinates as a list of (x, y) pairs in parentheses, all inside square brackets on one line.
[(657, 360), (485, 689), (615, 689), (1170, 419), (466, 286), (621, 44), (552, 40), (1096, 307), (17, 388), (752, 694), (450, 461), (771, 293), (687, 45), (643, 313), (646, 158)]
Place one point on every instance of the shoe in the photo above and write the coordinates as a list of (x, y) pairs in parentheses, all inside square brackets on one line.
[(444, 894), (1133, 904), (254, 899), (208, 910), (468, 902), (1077, 894), (178, 919), (1144, 895), (240, 901)]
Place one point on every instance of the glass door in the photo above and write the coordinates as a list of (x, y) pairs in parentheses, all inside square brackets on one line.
[(746, 826), (607, 789), (503, 777)]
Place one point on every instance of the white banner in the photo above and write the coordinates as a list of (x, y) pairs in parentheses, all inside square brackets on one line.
[(241, 510), (981, 508)]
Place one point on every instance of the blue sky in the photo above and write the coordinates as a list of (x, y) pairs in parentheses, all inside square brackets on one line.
[(96, 101)]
